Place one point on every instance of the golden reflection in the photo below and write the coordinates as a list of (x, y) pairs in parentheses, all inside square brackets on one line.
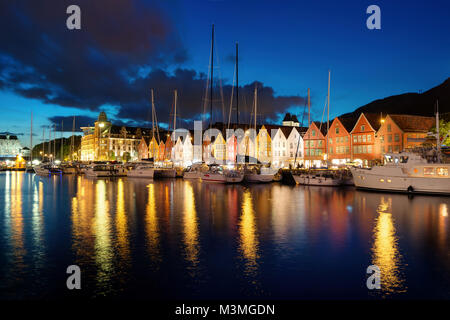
[(385, 252), (37, 220), (17, 221), (190, 224), (152, 228), (443, 210), (121, 222), (102, 229), (248, 237)]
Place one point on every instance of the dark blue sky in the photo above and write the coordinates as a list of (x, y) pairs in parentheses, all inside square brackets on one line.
[(287, 46)]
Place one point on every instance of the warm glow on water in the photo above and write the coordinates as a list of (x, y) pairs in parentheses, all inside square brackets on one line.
[(386, 254), (190, 224), (248, 236), (172, 238), (152, 229)]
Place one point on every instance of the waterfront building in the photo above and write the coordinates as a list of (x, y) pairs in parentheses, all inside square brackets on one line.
[(143, 148), (219, 147), (178, 152), (161, 152), (10, 148), (280, 157), (263, 145), (290, 120), (399, 133), (295, 147), (339, 140), (153, 149), (105, 141), (188, 150), (231, 148), (314, 145), (364, 149)]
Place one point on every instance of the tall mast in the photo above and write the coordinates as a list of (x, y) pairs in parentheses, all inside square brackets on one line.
[(31, 137), (256, 104), (212, 82), (328, 103), (175, 111), (237, 84), (154, 119), (43, 144), (309, 109), (72, 146), (54, 141), (438, 138), (49, 140), (61, 142)]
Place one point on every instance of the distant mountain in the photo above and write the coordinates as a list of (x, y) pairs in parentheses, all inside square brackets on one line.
[(410, 103)]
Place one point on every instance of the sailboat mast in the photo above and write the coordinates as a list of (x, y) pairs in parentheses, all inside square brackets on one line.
[(31, 137), (212, 77), (328, 103), (62, 129), (237, 85), (54, 141), (175, 112), (438, 138), (309, 109), (256, 104), (71, 139), (49, 140), (43, 144)]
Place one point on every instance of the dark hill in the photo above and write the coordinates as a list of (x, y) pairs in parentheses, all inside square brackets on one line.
[(410, 103)]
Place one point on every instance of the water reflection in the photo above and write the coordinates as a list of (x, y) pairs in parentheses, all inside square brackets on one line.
[(152, 228), (385, 250), (102, 230), (190, 226), (248, 240), (121, 223)]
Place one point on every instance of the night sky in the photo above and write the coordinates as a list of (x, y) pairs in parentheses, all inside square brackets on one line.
[(124, 48)]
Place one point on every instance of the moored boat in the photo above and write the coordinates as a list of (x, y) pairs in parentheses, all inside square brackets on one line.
[(405, 172), (142, 171), (105, 170)]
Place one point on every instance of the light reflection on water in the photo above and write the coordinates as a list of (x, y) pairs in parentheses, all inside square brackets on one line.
[(174, 238), (385, 249)]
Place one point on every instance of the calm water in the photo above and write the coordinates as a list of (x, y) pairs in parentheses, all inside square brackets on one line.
[(168, 239)]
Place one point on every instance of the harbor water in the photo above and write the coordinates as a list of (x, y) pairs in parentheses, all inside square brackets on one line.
[(178, 239)]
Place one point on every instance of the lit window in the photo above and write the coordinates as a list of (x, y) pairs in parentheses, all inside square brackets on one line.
[(381, 180), (442, 172), (428, 171), (389, 180)]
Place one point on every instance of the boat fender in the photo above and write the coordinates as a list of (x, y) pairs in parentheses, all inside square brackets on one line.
[(410, 189)]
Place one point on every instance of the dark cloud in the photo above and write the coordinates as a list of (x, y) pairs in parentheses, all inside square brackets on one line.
[(66, 122), (123, 49)]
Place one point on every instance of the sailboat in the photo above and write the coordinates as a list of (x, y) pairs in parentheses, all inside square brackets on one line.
[(160, 171), (320, 177), (257, 173)]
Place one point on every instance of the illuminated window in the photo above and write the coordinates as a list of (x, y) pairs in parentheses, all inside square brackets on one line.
[(442, 172), (389, 180), (337, 130), (428, 171), (381, 180), (389, 128), (369, 138)]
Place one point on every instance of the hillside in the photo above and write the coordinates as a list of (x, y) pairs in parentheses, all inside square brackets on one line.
[(410, 103)]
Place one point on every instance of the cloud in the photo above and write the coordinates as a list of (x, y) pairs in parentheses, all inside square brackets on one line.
[(123, 49), (65, 122)]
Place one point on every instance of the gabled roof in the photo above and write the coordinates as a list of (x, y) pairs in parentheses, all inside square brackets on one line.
[(287, 117), (348, 123), (374, 120), (409, 123)]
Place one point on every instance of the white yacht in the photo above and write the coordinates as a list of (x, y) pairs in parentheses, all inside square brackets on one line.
[(105, 170), (318, 178), (405, 172), (45, 169), (217, 174), (194, 171), (142, 171), (258, 174)]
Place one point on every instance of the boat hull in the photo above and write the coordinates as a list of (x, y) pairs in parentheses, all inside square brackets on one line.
[(165, 173), (258, 178), (316, 181), (147, 173), (364, 179), (192, 175)]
